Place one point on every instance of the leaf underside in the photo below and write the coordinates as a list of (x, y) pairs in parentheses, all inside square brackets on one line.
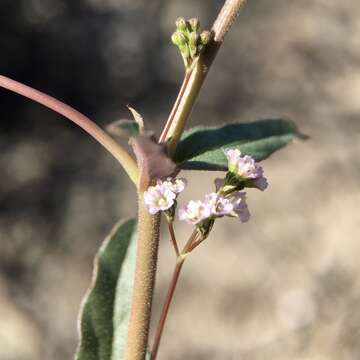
[(105, 312), (201, 148)]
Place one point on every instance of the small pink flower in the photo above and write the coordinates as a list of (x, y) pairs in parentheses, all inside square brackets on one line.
[(162, 196), (240, 208), (245, 167), (176, 185), (220, 205), (261, 183), (233, 156), (195, 212)]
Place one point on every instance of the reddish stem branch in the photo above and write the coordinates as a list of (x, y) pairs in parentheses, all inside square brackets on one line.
[(173, 238), (79, 119), (170, 293), (166, 306)]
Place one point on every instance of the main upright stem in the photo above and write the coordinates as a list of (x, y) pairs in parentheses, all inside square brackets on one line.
[(146, 260), (149, 225)]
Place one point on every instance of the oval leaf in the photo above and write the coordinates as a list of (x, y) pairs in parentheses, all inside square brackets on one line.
[(201, 148), (105, 310)]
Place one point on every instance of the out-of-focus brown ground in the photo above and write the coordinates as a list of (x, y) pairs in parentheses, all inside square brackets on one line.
[(285, 286)]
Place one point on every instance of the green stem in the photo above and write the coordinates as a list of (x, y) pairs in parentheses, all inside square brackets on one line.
[(192, 85), (164, 134)]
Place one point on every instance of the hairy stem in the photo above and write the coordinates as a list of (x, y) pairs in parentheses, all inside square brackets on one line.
[(79, 119), (146, 259), (148, 224), (226, 18), (191, 86)]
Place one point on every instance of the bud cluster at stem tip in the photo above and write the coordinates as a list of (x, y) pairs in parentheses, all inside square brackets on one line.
[(188, 39)]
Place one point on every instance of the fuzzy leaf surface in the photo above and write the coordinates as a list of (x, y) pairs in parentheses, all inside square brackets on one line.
[(105, 310), (201, 148)]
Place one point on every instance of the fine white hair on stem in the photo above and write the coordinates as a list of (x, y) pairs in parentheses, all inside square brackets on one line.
[(226, 18)]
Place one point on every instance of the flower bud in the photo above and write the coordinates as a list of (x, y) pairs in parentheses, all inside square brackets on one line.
[(178, 38), (193, 39), (194, 51), (185, 52), (194, 24), (181, 24), (205, 37)]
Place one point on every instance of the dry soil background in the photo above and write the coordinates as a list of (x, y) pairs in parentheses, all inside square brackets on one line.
[(285, 286)]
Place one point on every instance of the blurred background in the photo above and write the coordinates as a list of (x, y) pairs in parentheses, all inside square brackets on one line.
[(283, 286)]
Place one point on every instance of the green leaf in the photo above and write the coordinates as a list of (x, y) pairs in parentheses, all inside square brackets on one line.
[(201, 148), (105, 310)]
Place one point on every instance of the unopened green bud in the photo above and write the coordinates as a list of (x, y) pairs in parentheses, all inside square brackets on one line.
[(193, 39), (194, 50), (181, 24), (194, 24), (205, 37), (185, 52), (178, 38)]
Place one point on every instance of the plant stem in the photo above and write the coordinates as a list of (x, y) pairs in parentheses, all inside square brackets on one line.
[(170, 293), (148, 224), (195, 243), (146, 260), (191, 86), (166, 306), (173, 238), (169, 121), (191, 240), (79, 119)]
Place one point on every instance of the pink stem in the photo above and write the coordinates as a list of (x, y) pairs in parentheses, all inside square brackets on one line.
[(81, 120)]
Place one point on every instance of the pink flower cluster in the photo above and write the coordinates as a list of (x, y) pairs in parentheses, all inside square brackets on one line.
[(215, 206), (245, 167), (227, 201), (162, 196)]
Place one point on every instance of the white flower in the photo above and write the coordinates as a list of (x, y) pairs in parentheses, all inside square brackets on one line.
[(162, 196), (176, 185), (246, 168), (233, 156), (195, 212), (215, 206), (219, 205)]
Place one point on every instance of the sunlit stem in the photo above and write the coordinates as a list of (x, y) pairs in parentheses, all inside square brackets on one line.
[(81, 120), (194, 78), (169, 122)]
